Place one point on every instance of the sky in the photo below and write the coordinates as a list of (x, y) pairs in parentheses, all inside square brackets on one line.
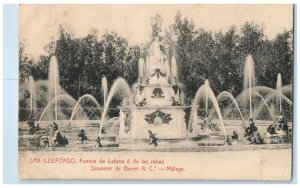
[(39, 23)]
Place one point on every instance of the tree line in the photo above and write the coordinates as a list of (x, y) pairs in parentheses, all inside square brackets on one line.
[(200, 54)]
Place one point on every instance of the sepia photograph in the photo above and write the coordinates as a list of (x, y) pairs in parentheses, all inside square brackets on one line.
[(156, 92)]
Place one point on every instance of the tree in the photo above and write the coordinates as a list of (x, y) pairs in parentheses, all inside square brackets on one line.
[(130, 69), (185, 33), (227, 60), (202, 61), (251, 39), (69, 53), (25, 64), (283, 56)]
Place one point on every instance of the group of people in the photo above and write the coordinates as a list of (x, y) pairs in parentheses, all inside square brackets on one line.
[(52, 137), (250, 132), (278, 129)]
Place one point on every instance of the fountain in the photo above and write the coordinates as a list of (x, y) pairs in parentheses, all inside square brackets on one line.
[(155, 104), (32, 95), (271, 94), (119, 86), (287, 89), (78, 106), (53, 79), (174, 67), (141, 69), (55, 95), (54, 101), (279, 90), (207, 92), (206, 83), (230, 96), (249, 79), (264, 102), (104, 89)]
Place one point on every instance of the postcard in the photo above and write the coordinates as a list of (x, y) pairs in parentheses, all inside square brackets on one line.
[(156, 92)]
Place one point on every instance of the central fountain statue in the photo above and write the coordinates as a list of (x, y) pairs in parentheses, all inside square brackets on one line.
[(156, 103)]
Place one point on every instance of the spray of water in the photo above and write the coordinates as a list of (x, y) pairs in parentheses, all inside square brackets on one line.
[(287, 89), (199, 95), (273, 92), (230, 96), (104, 88), (249, 79), (264, 102), (62, 97), (174, 66), (206, 97), (32, 95), (119, 86), (271, 95), (80, 100), (53, 86), (141, 69), (279, 90)]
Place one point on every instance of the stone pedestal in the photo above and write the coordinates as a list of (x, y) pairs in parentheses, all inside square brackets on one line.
[(165, 122), (156, 105)]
